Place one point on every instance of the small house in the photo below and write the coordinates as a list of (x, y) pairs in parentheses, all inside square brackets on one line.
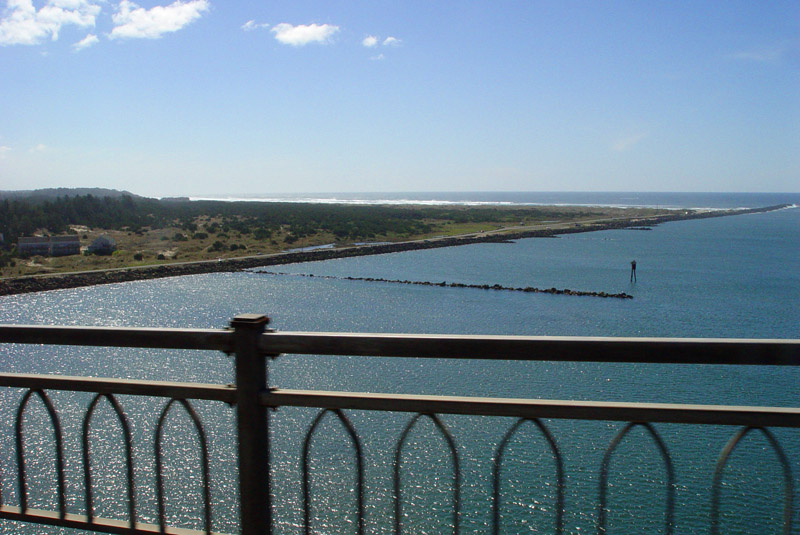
[(49, 245), (64, 245), (103, 245)]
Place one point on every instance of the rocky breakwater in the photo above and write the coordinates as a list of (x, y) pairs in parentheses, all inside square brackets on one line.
[(40, 283), (445, 284)]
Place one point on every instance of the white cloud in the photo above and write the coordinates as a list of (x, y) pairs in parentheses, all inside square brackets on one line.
[(787, 52), (23, 24), (370, 41), (760, 56), (304, 34), (37, 149), (378, 57), (134, 22), (251, 25), (391, 41), (626, 142), (86, 42), (3, 151)]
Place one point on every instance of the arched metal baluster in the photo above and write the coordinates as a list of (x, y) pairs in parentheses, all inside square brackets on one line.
[(670, 505), (456, 471), (359, 468), (498, 460), (788, 485), (23, 487), (87, 469), (204, 459)]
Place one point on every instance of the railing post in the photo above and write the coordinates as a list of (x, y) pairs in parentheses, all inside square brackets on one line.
[(252, 425)]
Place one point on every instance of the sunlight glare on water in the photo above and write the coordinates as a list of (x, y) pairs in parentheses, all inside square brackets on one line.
[(726, 277)]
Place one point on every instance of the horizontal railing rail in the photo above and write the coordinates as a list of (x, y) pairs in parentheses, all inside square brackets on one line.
[(210, 339), (744, 351), (539, 348), (539, 408), (103, 525), (254, 399), (226, 393)]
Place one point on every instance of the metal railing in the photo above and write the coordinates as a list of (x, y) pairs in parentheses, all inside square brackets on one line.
[(251, 344)]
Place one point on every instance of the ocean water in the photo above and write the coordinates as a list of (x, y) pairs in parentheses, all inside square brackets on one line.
[(724, 277)]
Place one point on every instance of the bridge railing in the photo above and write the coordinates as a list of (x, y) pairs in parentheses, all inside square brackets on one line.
[(253, 345)]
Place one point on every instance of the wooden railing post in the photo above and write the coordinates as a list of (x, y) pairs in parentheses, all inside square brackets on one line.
[(252, 425)]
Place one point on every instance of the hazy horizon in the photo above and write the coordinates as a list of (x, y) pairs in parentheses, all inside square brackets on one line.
[(377, 193)]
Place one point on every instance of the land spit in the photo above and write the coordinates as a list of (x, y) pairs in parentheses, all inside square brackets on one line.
[(40, 283)]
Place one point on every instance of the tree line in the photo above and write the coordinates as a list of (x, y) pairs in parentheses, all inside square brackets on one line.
[(25, 216)]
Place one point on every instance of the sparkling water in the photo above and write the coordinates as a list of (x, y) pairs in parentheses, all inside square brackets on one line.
[(724, 277)]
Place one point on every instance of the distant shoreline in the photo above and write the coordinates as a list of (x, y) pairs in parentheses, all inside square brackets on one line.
[(521, 199), (58, 281)]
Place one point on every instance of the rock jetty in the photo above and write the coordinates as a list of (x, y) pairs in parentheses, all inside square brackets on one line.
[(445, 284)]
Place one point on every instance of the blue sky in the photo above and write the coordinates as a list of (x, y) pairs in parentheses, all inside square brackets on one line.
[(207, 97)]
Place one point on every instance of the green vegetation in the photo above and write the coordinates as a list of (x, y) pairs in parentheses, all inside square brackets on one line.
[(149, 231), (23, 217)]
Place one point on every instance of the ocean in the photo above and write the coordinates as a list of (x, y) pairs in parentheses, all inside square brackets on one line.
[(722, 277)]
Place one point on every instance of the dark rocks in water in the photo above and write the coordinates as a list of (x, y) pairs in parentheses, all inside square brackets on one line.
[(445, 284), (639, 228)]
